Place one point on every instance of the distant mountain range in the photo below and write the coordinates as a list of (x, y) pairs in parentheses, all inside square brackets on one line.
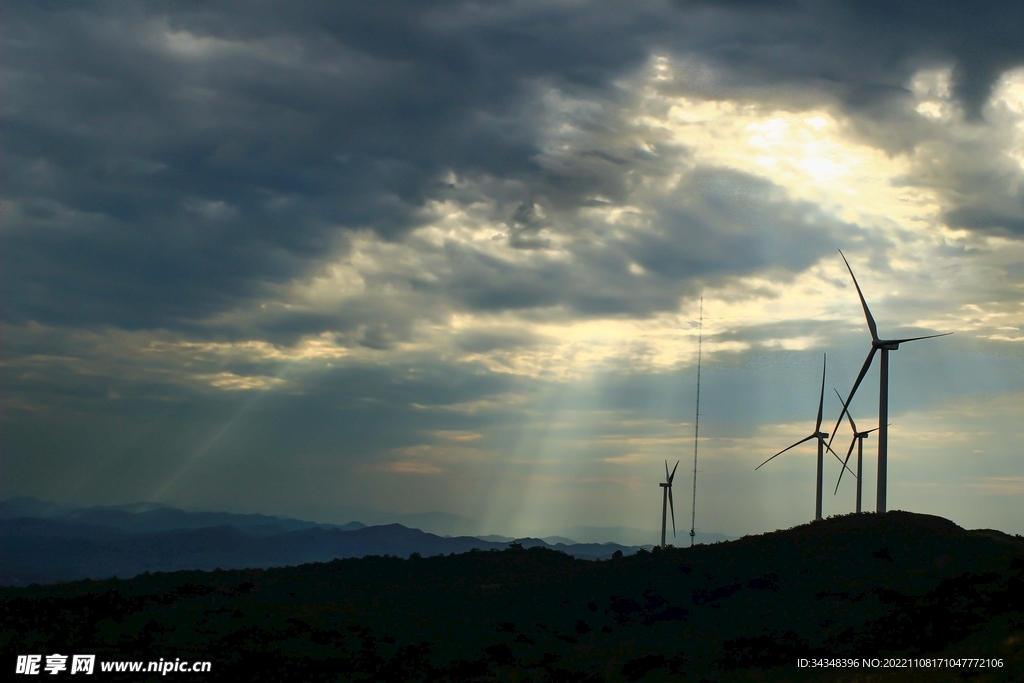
[(150, 517), (159, 517), (43, 542)]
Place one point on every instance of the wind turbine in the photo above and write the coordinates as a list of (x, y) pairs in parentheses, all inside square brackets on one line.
[(858, 439), (817, 434), (666, 497), (885, 346)]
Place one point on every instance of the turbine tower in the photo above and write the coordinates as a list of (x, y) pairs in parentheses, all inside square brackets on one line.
[(696, 423), (858, 439), (666, 497), (820, 436), (885, 346)]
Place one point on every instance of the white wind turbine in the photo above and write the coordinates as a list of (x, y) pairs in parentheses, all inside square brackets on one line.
[(885, 346)]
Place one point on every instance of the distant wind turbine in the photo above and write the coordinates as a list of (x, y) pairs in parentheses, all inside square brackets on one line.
[(858, 439), (817, 434), (666, 497), (885, 346)]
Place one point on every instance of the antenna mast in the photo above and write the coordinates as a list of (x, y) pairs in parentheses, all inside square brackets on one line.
[(696, 420)]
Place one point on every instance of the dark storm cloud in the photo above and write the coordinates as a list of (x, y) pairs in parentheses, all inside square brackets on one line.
[(478, 341), (981, 39), (375, 321), (204, 174), (862, 51), (733, 223), (984, 218), (166, 162)]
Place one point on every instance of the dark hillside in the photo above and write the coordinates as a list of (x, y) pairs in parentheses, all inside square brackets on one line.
[(863, 586)]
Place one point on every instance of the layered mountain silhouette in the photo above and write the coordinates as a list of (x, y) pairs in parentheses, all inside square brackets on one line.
[(859, 588), (46, 543)]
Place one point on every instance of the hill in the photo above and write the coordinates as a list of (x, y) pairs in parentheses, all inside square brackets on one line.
[(896, 585)]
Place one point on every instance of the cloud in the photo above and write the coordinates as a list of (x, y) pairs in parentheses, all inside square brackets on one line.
[(244, 245), (414, 468), (167, 165)]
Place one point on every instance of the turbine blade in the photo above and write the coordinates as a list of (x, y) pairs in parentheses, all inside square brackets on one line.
[(783, 451), (929, 336), (672, 507), (867, 313), (838, 459), (673, 475), (853, 425), (848, 452), (860, 378), (875, 429), (667, 480), (821, 399)]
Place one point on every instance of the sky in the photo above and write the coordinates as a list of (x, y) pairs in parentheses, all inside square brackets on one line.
[(314, 258)]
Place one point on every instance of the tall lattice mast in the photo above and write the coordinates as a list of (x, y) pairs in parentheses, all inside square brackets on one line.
[(696, 421)]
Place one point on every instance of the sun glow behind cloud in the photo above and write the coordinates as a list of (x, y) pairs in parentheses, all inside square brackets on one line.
[(811, 154)]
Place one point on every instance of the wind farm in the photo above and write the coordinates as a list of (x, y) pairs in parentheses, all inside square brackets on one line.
[(877, 344)]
